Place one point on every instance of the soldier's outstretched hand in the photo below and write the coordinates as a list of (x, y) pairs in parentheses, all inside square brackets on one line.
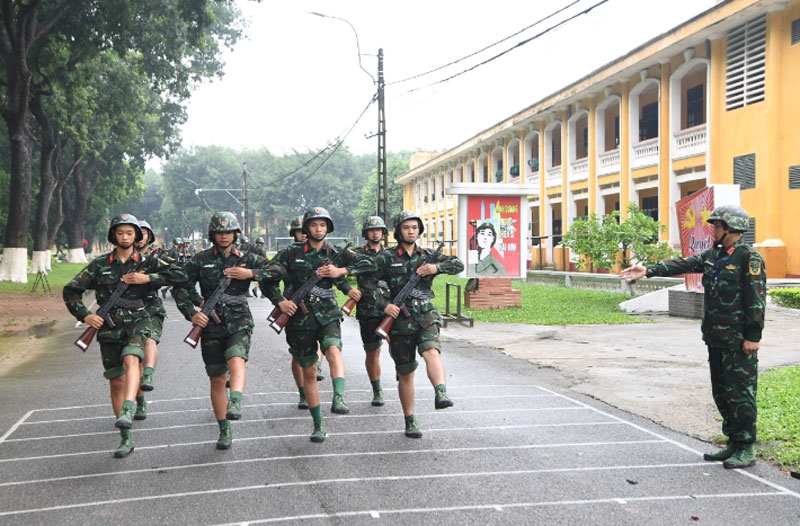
[(633, 272)]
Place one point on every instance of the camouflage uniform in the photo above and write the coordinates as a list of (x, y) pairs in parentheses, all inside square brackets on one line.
[(367, 313), (734, 284), (132, 324), (231, 337), (420, 331), (294, 266)]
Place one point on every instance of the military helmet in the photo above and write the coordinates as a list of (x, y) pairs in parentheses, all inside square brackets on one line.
[(317, 213), (733, 216), (245, 240), (124, 219), (373, 223), (179, 241), (151, 236), (403, 216), (223, 222), (259, 240), (297, 224)]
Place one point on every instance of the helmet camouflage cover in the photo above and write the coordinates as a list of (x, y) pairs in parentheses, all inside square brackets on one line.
[(403, 216), (734, 216), (317, 213), (373, 223), (223, 222), (297, 224), (124, 219)]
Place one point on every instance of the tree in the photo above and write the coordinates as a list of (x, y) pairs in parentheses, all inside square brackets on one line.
[(173, 45), (396, 166), (602, 240)]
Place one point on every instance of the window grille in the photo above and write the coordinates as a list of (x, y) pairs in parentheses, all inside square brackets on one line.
[(745, 69), (744, 171), (796, 31), (794, 177)]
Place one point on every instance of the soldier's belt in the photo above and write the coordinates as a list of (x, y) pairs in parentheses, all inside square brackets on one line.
[(419, 294), (125, 304), (319, 294), (227, 299), (414, 302)]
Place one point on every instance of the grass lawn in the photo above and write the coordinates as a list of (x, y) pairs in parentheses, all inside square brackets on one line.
[(59, 276)]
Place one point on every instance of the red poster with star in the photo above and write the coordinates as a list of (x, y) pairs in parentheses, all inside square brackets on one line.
[(697, 235)]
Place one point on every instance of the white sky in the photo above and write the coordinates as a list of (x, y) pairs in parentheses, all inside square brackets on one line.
[(295, 82)]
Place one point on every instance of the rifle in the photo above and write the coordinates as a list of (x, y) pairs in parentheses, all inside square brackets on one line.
[(399, 300), (276, 311), (85, 339), (348, 306), (208, 309), (300, 294)]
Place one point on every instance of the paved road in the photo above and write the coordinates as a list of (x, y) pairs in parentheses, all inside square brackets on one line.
[(519, 447)]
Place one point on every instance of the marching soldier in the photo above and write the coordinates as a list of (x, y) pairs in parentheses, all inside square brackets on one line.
[(367, 314), (155, 308), (294, 265), (121, 341), (225, 346), (419, 332)]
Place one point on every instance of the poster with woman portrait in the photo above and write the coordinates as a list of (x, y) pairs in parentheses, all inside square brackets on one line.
[(494, 237)]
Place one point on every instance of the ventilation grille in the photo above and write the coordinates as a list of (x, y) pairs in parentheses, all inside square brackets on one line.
[(745, 70), (796, 31), (794, 177), (744, 171)]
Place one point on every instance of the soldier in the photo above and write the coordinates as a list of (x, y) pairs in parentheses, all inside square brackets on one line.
[(368, 315), (299, 238), (225, 346), (121, 344), (294, 265), (155, 308), (419, 332), (259, 249), (734, 289), (173, 254)]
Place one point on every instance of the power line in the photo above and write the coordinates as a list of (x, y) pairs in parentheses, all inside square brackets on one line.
[(551, 15), (519, 44)]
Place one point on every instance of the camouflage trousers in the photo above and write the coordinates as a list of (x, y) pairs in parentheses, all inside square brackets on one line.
[(734, 381)]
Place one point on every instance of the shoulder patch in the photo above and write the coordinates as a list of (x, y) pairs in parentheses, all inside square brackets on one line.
[(755, 267)]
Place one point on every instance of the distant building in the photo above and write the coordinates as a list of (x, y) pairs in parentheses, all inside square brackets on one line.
[(714, 101)]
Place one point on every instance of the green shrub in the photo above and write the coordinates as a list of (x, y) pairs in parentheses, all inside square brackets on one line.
[(786, 297)]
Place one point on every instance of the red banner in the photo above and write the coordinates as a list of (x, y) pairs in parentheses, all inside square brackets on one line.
[(494, 237), (697, 235)]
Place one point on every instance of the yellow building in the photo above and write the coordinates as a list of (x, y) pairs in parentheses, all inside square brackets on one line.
[(714, 101)]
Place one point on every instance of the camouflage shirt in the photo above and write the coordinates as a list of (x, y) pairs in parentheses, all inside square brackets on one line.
[(103, 274), (206, 268), (735, 292), (295, 264), (368, 284), (395, 267)]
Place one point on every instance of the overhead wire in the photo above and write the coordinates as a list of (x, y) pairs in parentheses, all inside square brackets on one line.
[(519, 44), (465, 57)]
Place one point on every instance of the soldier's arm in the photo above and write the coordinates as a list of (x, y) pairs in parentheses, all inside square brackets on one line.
[(449, 264), (676, 266), (754, 297), (185, 294), (73, 293)]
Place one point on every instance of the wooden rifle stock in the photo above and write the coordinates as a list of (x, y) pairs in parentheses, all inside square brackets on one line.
[(348, 306), (85, 339)]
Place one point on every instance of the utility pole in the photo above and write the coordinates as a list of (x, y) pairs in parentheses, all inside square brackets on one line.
[(383, 199), (245, 221)]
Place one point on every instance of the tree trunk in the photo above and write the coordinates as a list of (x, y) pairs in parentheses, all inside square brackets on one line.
[(47, 185)]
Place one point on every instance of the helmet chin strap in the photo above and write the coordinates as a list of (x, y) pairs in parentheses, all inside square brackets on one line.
[(719, 244)]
